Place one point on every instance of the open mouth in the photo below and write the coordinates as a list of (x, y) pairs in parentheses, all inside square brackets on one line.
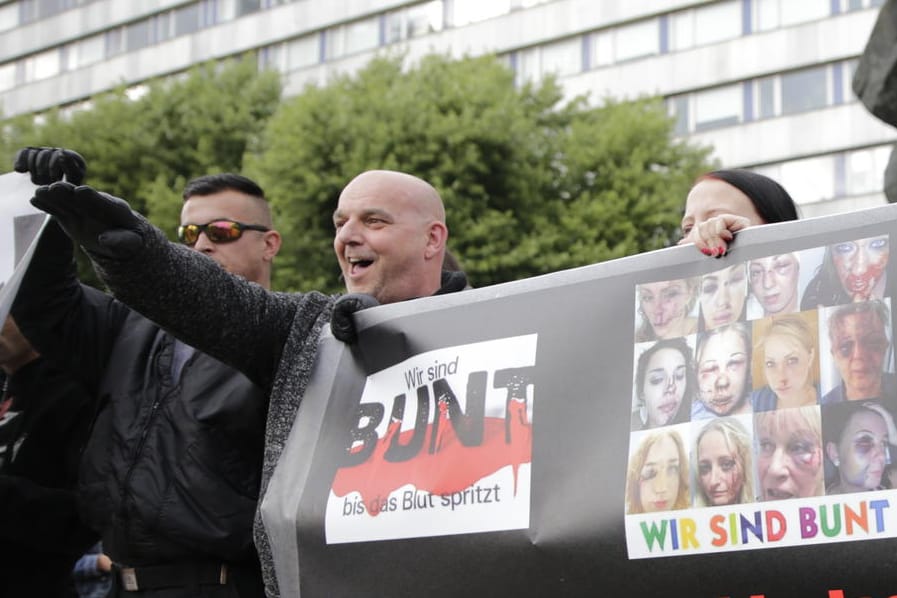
[(357, 266)]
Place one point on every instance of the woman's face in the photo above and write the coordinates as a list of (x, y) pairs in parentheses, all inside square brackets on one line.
[(659, 478), (722, 296), (720, 470), (713, 197), (861, 266), (787, 365), (722, 372), (862, 452), (664, 386), (665, 307), (774, 282), (789, 463)]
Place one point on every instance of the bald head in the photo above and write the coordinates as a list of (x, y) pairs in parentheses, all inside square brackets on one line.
[(390, 235), (418, 193)]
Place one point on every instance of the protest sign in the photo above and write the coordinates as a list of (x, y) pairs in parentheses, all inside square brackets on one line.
[(521, 439), (20, 226)]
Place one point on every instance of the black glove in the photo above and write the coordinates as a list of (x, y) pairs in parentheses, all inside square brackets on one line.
[(342, 322), (101, 224), (48, 165)]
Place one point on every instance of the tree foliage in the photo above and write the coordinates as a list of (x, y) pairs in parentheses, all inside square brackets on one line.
[(532, 182), (145, 149)]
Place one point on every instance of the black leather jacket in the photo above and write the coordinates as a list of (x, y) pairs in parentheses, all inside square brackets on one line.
[(172, 467)]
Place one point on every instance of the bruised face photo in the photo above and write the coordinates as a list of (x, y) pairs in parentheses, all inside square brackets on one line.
[(665, 305), (659, 476), (789, 459), (722, 295), (773, 282), (861, 266), (859, 347), (861, 454), (787, 365), (723, 372), (720, 471), (664, 386)]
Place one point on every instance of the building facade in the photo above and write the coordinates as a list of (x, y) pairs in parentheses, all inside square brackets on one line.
[(766, 83)]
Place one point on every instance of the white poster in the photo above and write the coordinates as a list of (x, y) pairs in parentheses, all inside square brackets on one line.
[(20, 227)]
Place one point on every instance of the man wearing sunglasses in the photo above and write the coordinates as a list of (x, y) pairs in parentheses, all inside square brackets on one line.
[(389, 241), (171, 473)]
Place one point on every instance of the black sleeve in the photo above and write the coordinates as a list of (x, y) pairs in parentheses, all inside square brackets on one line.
[(239, 322), (72, 325)]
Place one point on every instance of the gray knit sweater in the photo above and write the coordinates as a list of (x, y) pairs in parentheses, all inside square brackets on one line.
[(271, 337)]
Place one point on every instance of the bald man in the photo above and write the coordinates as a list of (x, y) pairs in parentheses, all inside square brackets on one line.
[(389, 240), (390, 236)]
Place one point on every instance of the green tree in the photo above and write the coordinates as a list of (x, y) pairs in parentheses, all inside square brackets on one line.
[(180, 128), (145, 149), (532, 183)]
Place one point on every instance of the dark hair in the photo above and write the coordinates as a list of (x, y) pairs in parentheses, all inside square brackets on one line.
[(214, 183), (772, 202), (450, 263), (691, 382)]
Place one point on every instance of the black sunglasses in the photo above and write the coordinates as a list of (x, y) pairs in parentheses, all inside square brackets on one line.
[(217, 231)]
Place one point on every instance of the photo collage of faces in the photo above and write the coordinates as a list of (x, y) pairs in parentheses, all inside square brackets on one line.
[(765, 380)]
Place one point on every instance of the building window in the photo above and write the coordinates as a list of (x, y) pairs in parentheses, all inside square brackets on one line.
[(766, 97), (303, 52), (7, 76), (809, 180), (352, 38), (637, 40), (186, 20), (464, 12), (42, 66), (272, 57), (706, 25), (719, 107), (805, 90), (679, 112), (414, 21), (84, 52), (772, 14), (9, 16), (562, 58), (115, 42), (865, 170), (137, 35), (624, 43)]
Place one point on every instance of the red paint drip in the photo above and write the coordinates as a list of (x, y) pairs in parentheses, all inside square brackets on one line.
[(451, 468)]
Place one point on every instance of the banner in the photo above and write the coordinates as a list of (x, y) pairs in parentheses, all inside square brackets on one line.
[(665, 424), (20, 226)]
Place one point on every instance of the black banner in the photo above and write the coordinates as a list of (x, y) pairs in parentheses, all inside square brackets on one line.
[(665, 424)]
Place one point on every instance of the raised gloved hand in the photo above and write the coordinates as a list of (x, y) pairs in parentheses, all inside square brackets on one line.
[(48, 165), (100, 223), (342, 322)]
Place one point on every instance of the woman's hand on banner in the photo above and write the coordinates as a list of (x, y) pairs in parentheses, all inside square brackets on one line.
[(712, 236)]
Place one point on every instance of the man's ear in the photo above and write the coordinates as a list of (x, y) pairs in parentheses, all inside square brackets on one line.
[(437, 235), (272, 244)]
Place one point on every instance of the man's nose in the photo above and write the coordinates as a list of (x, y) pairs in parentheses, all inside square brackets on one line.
[(347, 233), (203, 244)]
